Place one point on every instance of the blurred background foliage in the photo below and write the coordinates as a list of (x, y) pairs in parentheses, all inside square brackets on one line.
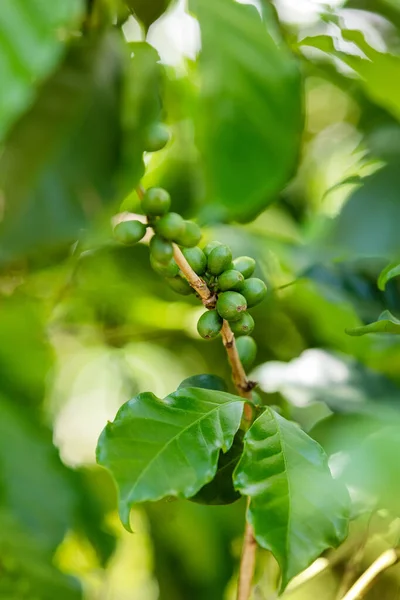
[(285, 143)]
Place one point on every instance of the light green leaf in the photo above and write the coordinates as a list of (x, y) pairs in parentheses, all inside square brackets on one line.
[(156, 448), (367, 223), (32, 37), (58, 167), (297, 509), (386, 323), (377, 70), (26, 571), (388, 273), (249, 114)]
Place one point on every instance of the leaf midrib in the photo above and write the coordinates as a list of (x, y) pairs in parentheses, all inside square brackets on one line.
[(173, 439)]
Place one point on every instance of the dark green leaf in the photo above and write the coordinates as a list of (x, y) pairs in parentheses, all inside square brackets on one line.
[(148, 11), (206, 382), (386, 323), (30, 48), (220, 490), (34, 485), (156, 448), (58, 166), (297, 509), (249, 122)]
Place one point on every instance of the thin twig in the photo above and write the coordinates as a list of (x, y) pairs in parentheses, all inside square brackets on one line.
[(247, 562), (353, 564), (243, 387), (367, 579)]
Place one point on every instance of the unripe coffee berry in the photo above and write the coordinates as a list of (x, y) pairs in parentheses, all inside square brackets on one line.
[(155, 137), (230, 280), (219, 259), (156, 202), (244, 264), (196, 259), (161, 249), (209, 324), (230, 305), (254, 290), (170, 226), (244, 325), (129, 232), (247, 350), (190, 236), (210, 246), (169, 269), (179, 285)]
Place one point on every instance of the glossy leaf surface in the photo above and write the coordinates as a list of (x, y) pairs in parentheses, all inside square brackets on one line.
[(157, 448), (297, 509), (386, 323)]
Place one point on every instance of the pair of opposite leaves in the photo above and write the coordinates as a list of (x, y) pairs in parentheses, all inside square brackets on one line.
[(173, 447)]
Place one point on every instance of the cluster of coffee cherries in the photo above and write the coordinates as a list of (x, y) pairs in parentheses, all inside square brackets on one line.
[(229, 280)]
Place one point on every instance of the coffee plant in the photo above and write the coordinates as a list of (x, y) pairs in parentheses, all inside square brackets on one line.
[(199, 299)]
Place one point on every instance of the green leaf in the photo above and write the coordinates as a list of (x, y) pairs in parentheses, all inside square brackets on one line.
[(205, 381), (141, 108), (297, 509), (388, 273), (367, 224), (30, 48), (386, 323), (26, 571), (148, 12), (157, 448), (249, 114), (220, 490), (35, 487), (377, 70), (58, 167)]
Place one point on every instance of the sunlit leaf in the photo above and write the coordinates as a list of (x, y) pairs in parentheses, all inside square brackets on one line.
[(32, 37), (156, 448), (297, 509), (377, 70), (249, 120), (388, 273), (386, 323)]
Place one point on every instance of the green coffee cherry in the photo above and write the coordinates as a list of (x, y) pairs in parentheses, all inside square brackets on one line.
[(230, 305), (155, 137), (190, 236), (129, 232), (170, 226), (247, 350), (219, 259), (244, 325), (169, 269), (209, 324), (230, 280), (156, 202), (196, 259), (210, 246), (254, 290), (244, 264), (179, 285), (161, 249)]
